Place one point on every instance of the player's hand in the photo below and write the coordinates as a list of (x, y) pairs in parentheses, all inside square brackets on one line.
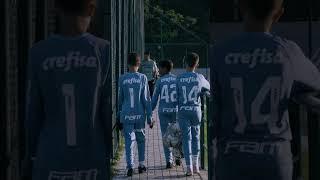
[(205, 93), (151, 124)]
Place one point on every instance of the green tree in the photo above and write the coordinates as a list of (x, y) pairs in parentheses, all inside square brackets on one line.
[(166, 24)]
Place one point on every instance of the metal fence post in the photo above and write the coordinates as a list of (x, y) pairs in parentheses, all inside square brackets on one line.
[(314, 146), (24, 37), (202, 137), (211, 146), (104, 27), (210, 124), (41, 20), (4, 53)]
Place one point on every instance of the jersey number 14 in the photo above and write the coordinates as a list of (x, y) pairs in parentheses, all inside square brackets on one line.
[(271, 86)]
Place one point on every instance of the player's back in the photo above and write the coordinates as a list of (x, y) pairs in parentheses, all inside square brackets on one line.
[(189, 87), (167, 93), (253, 75), (133, 97), (68, 74), (148, 68)]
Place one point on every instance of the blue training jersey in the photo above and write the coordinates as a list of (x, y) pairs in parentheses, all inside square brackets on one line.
[(190, 86), (165, 90), (67, 100), (252, 78), (134, 98)]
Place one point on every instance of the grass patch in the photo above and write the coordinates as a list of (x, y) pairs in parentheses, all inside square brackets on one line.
[(117, 157)]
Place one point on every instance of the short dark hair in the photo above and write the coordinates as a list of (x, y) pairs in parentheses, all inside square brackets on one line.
[(262, 9), (77, 7), (133, 59), (167, 64), (192, 60)]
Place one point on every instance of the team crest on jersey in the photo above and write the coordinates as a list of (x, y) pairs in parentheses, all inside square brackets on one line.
[(253, 58), (73, 60)]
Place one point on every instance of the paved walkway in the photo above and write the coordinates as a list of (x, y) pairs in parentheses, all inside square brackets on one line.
[(155, 161)]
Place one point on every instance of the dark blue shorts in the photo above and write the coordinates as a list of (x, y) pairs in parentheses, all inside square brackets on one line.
[(254, 160)]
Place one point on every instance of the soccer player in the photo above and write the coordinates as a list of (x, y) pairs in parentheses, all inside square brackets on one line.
[(150, 69), (252, 77), (166, 90), (67, 99), (134, 111), (190, 86)]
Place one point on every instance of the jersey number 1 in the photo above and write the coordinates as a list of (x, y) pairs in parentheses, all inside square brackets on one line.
[(131, 92), (68, 93)]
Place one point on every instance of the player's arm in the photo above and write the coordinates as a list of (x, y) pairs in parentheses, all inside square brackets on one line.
[(305, 71), (146, 100), (155, 96), (307, 76), (205, 90), (155, 71), (312, 100), (34, 106)]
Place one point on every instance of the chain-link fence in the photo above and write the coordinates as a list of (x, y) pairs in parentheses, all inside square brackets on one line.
[(126, 20), (177, 52)]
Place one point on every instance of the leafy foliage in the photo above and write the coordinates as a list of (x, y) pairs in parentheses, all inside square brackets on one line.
[(165, 24)]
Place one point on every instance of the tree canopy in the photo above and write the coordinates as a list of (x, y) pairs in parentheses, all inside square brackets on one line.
[(167, 25)]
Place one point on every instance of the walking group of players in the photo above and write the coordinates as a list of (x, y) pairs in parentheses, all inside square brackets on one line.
[(178, 97), (253, 77)]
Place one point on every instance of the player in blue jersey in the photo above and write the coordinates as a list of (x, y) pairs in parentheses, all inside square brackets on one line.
[(190, 86), (134, 111), (166, 90), (67, 99), (252, 79)]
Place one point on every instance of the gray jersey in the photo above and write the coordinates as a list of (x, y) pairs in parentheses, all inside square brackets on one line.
[(149, 68)]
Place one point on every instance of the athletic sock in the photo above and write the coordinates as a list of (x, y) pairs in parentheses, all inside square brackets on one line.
[(195, 160)]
